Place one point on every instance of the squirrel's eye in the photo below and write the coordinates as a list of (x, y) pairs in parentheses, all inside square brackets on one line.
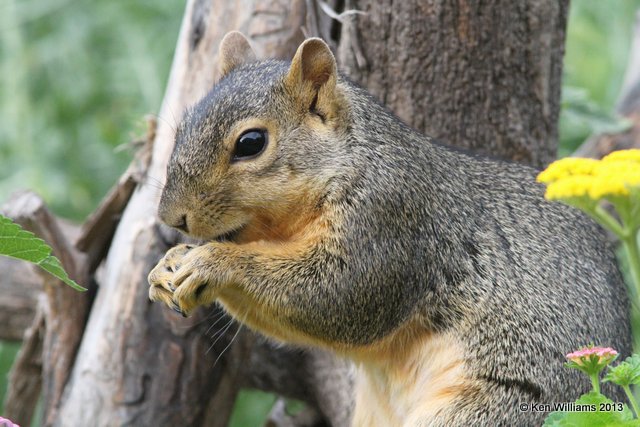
[(250, 144)]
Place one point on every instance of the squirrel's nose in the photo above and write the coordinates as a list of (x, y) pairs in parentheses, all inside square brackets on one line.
[(172, 214), (181, 224), (174, 219)]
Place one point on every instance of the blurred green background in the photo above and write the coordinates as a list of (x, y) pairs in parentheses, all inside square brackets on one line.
[(79, 76), (77, 79)]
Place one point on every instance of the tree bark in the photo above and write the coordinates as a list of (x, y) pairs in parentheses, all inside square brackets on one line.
[(63, 309), (140, 364), (25, 378), (479, 75), (19, 290)]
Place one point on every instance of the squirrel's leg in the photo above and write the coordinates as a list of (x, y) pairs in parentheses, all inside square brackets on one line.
[(286, 290)]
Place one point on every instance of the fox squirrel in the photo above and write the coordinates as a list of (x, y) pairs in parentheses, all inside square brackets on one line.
[(447, 279)]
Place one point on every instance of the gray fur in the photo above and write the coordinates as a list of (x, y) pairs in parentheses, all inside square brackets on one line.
[(467, 244)]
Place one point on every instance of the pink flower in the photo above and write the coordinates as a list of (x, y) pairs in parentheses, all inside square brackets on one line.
[(604, 354), (591, 360), (7, 423)]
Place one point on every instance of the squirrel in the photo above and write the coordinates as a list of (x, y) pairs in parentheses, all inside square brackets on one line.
[(445, 277)]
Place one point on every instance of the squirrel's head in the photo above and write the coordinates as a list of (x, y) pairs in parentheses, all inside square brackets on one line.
[(254, 159)]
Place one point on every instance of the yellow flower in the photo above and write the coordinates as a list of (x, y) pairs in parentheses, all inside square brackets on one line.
[(602, 187), (585, 184), (614, 178), (567, 167), (568, 187), (574, 177), (632, 155)]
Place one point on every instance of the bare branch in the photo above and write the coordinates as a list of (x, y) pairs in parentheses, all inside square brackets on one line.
[(25, 379), (64, 309), (19, 290)]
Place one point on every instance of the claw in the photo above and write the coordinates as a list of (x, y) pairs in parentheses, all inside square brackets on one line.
[(177, 309), (170, 285)]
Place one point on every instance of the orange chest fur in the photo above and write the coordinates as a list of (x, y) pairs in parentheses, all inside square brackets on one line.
[(413, 385)]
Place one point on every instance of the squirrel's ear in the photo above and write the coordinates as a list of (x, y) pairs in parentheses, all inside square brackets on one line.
[(235, 51), (313, 74)]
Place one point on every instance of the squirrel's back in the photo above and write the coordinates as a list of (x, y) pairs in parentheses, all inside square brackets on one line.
[(517, 281)]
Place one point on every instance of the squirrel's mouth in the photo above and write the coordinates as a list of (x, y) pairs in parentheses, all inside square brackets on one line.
[(230, 236)]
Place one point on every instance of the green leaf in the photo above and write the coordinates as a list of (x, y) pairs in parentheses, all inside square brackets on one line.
[(587, 412), (626, 373), (579, 108), (24, 245)]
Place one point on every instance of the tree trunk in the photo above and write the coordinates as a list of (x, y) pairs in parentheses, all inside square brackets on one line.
[(479, 75), (140, 364), (474, 75)]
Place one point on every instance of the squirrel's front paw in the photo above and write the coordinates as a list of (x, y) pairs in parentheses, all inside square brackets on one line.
[(161, 278), (185, 278)]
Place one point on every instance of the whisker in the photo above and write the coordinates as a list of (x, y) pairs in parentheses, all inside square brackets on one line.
[(173, 116), (172, 126), (155, 186), (220, 334), (150, 180), (220, 316), (241, 324), (228, 345), (207, 317)]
